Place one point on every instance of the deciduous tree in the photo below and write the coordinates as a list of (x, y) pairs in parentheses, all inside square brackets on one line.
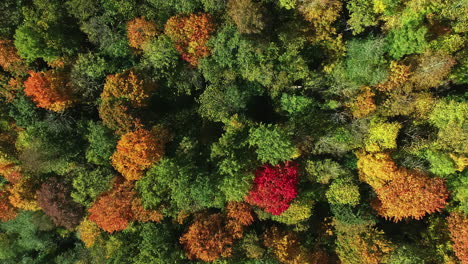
[(190, 35), (140, 31), (49, 90), (458, 226), (274, 187)]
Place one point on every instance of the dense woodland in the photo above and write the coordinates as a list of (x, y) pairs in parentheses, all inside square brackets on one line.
[(233, 131)]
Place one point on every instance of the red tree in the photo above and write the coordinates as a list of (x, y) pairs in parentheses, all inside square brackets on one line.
[(274, 187)]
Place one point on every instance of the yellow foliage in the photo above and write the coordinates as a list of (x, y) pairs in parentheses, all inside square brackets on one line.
[(88, 232), (23, 196), (376, 169)]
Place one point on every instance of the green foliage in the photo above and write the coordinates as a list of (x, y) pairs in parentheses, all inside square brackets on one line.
[(88, 74), (441, 163), (272, 144), (458, 184), (365, 63), (343, 191), (323, 171), (160, 55), (219, 103), (407, 254), (88, 184), (361, 15), (101, 144), (407, 39), (295, 104)]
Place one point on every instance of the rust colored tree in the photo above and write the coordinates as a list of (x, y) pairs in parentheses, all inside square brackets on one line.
[(9, 58), (207, 239), (190, 35), (411, 195), (7, 211), (49, 90), (274, 187), (239, 216), (458, 226), (140, 31), (115, 209), (54, 199), (137, 151)]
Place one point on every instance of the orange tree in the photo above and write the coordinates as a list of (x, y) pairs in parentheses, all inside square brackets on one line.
[(190, 35), (115, 209), (49, 90), (7, 211), (140, 31), (458, 226), (137, 151)]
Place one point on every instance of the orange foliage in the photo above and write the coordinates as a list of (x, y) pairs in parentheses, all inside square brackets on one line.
[(88, 232), (7, 211), (399, 75), (9, 58), (458, 226), (9, 169), (9, 91), (190, 35), (118, 116), (286, 247), (48, 90), (411, 195), (23, 195), (206, 239), (364, 103), (140, 31), (239, 215), (376, 169), (137, 151), (128, 86), (115, 209)]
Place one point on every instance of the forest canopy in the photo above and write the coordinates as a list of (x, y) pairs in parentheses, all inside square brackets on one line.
[(234, 131)]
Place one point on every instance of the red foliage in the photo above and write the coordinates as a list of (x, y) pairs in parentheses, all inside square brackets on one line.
[(48, 90), (274, 187), (7, 211), (114, 209), (458, 226), (190, 35)]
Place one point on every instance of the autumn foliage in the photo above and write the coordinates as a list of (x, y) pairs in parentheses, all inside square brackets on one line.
[(7, 211), (9, 58), (23, 194), (137, 151), (115, 209), (49, 90), (207, 239), (127, 86), (54, 199), (458, 226), (140, 31), (411, 195), (274, 187), (190, 35), (239, 216), (119, 116), (88, 232)]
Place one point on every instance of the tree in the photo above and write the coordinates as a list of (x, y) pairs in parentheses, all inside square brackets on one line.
[(363, 104), (140, 31), (286, 247), (101, 144), (343, 191), (118, 115), (247, 15), (361, 15), (113, 210), (274, 187), (206, 239), (382, 136), (128, 86), (49, 90), (239, 215), (190, 35), (9, 58), (376, 169), (411, 195), (89, 184), (88, 232), (54, 199), (273, 144), (458, 227), (23, 194), (7, 211), (137, 151)]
